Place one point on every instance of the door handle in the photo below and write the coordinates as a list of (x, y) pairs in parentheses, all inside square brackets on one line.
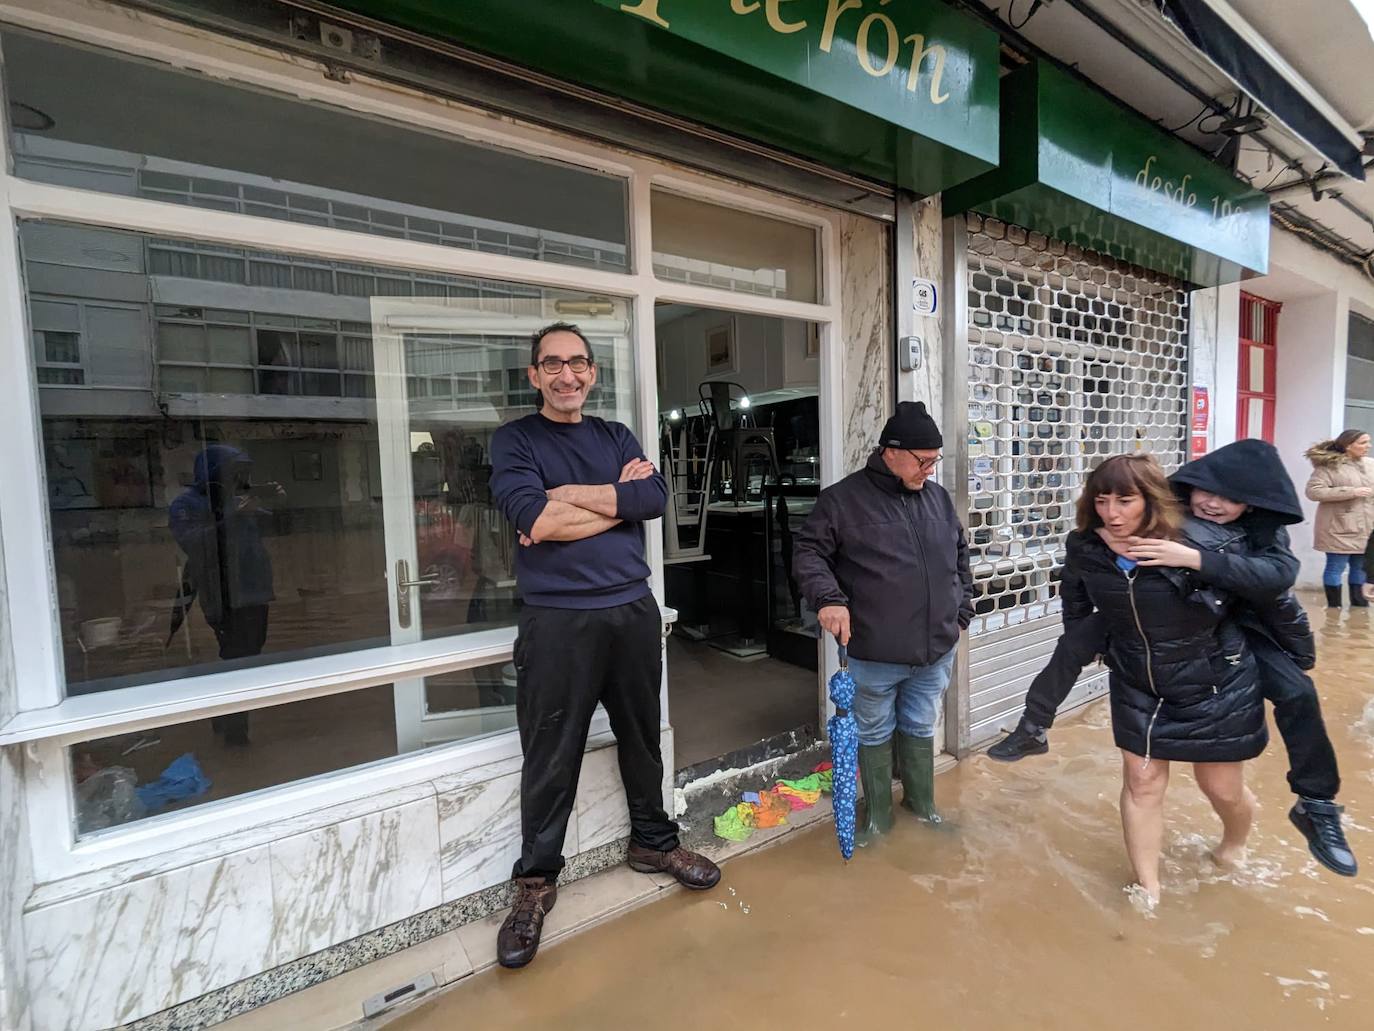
[(403, 586)]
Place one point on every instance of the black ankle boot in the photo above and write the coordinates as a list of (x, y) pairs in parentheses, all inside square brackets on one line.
[(1333, 597), (1357, 598)]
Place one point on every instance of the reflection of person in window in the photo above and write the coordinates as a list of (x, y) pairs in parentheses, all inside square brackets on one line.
[(217, 522)]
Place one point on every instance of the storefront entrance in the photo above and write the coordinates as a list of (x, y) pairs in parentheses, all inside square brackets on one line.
[(740, 441)]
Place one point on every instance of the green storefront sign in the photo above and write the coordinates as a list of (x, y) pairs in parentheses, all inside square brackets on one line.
[(919, 65), (1079, 167), (901, 92)]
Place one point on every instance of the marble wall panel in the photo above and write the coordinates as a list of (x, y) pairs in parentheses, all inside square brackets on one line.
[(479, 833), (16, 874), (15, 881), (333, 884), (866, 331), (602, 812), (927, 383), (108, 958)]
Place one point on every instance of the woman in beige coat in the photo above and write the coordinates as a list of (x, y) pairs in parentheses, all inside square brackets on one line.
[(1342, 485)]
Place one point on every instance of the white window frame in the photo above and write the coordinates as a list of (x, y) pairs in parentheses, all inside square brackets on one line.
[(47, 722)]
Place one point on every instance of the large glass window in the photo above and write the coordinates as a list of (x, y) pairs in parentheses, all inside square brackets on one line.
[(705, 244), (90, 118), (1359, 378), (222, 492), (117, 780)]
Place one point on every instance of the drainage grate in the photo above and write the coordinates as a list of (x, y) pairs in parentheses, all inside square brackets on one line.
[(396, 996)]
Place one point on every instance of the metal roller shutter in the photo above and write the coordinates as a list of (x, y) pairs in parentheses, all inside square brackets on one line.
[(1072, 357)]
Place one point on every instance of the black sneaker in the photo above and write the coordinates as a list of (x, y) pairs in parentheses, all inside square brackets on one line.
[(1320, 823), (1026, 739)]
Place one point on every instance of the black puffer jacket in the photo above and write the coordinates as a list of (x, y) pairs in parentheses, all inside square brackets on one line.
[(1251, 558), (1184, 686), (1267, 605)]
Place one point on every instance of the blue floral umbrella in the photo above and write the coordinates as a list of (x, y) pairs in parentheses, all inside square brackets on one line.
[(844, 750)]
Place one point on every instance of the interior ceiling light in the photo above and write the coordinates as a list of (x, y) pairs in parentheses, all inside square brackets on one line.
[(26, 118)]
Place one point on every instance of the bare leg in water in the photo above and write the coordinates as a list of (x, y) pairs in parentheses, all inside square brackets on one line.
[(1142, 816), (1224, 786)]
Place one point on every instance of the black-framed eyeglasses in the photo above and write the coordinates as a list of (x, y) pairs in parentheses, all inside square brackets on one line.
[(926, 464), (554, 366)]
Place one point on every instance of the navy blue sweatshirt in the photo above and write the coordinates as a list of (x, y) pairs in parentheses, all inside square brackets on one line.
[(533, 455)]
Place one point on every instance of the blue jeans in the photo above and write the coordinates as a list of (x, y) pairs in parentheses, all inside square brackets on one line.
[(1335, 566), (892, 696)]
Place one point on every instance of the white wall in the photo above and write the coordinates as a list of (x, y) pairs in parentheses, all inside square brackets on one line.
[(1318, 293), (1214, 343), (1311, 392)]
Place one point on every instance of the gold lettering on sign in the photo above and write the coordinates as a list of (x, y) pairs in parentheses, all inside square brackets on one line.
[(878, 47), (919, 52), (1176, 192), (775, 22), (648, 10), (893, 45), (833, 10)]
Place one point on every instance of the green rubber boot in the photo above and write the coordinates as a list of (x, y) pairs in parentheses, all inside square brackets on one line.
[(917, 756), (875, 774)]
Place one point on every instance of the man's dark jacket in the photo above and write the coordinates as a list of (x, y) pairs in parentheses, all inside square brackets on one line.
[(896, 558)]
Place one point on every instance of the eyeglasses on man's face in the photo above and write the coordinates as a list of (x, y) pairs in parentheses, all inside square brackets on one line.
[(554, 366), (926, 464)]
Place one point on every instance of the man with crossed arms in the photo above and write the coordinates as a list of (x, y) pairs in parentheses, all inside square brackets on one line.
[(578, 491)]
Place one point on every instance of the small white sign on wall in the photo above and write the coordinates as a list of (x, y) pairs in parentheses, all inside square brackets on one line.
[(924, 298)]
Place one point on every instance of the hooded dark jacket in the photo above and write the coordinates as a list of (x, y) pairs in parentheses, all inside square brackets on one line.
[(1184, 686), (226, 561), (1251, 559), (897, 558)]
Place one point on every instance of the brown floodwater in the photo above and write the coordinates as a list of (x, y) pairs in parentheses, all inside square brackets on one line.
[(1013, 915)]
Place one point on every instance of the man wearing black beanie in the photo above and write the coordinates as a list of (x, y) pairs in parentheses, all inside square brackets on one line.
[(884, 562)]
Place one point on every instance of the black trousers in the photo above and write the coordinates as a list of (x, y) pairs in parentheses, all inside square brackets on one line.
[(240, 633), (1312, 773), (568, 660)]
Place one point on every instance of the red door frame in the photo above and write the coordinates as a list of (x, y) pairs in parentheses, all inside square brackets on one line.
[(1259, 331)]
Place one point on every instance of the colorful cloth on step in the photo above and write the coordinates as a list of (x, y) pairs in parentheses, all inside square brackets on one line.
[(826, 771), (771, 810), (798, 797), (808, 789), (760, 810), (736, 823)]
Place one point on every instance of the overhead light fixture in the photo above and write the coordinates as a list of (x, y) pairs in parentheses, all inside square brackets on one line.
[(1242, 125), (675, 416), (589, 306)]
